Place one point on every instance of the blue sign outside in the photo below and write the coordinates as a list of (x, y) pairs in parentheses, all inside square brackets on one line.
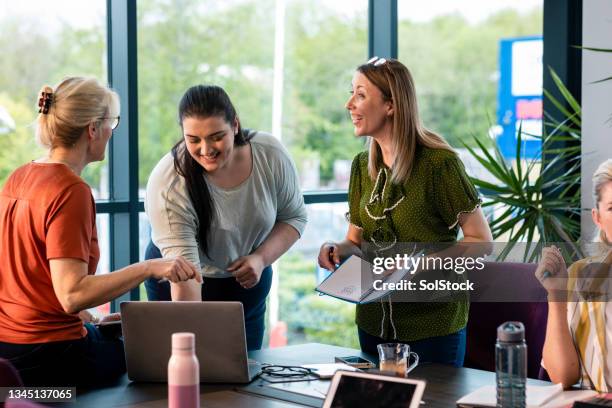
[(519, 99)]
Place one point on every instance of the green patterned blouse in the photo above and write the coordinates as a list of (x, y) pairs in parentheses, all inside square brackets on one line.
[(436, 193)]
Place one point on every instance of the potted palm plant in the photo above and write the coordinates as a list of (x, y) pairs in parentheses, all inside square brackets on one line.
[(535, 202)]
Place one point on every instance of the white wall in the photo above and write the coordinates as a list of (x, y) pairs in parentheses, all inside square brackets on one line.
[(596, 99)]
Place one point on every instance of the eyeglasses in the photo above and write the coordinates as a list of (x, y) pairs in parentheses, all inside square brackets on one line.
[(377, 61), (114, 121)]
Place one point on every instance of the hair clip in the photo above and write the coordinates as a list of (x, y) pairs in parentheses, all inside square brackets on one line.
[(44, 102)]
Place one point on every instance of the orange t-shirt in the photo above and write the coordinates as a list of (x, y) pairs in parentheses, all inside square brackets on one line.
[(46, 212)]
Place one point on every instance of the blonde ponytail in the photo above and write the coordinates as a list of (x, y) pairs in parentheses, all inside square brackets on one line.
[(73, 105)]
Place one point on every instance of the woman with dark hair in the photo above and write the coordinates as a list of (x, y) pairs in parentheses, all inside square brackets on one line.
[(227, 199), (410, 187)]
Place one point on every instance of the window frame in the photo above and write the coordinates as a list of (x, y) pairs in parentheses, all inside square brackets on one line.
[(562, 31)]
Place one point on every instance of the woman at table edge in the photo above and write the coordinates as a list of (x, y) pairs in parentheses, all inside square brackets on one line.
[(578, 339)]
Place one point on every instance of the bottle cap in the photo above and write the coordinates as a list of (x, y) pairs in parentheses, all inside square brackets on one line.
[(511, 332), (183, 341)]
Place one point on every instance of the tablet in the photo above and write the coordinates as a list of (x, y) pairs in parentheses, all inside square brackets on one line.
[(363, 390)]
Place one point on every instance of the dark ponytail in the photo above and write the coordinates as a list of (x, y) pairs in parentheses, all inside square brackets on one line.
[(203, 101)]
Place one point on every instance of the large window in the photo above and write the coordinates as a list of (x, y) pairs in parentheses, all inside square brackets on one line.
[(323, 44), (453, 53), (287, 65), (199, 42), (297, 314), (457, 55), (289, 76), (230, 44), (42, 42)]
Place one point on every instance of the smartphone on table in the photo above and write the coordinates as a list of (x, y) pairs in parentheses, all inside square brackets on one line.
[(355, 361)]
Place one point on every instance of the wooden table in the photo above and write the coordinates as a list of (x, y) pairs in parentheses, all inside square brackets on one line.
[(445, 384)]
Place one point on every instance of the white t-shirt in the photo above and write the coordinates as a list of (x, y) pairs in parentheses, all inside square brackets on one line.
[(244, 215)]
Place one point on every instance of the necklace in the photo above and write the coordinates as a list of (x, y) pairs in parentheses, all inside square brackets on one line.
[(385, 197)]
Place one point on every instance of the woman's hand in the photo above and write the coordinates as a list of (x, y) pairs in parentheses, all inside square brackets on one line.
[(552, 271), (87, 317), (247, 270), (329, 256), (113, 317), (173, 269)]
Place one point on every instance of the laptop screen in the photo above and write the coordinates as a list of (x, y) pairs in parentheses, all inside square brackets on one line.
[(359, 392)]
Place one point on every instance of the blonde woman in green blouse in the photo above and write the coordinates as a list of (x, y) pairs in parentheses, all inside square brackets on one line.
[(412, 183)]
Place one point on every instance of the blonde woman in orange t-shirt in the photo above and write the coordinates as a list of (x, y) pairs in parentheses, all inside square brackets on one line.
[(49, 247)]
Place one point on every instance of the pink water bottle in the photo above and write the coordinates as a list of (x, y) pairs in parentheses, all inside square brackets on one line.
[(183, 373)]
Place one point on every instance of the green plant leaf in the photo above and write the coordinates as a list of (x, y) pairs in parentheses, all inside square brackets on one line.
[(487, 162), (569, 98), (519, 142), (489, 186), (561, 108), (544, 207)]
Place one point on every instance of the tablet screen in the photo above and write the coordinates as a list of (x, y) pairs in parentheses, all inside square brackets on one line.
[(358, 392)]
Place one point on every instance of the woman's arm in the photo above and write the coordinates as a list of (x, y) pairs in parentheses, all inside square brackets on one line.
[(476, 234), (280, 239), (247, 269), (76, 290), (559, 354), (290, 219), (475, 227), (173, 223), (477, 239), (190, 290)]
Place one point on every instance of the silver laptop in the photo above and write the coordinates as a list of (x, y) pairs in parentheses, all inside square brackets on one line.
[(219, 333)]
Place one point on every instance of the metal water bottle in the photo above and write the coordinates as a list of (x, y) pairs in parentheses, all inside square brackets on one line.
[(183, 373), (511, 365)]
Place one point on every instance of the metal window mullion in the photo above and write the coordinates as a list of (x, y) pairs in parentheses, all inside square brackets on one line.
[(562, 34), (123, 147), (382, 28)]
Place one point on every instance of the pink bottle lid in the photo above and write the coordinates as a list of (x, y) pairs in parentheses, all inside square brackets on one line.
[(183, 341)]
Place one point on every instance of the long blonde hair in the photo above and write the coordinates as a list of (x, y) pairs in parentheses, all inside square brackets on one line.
[(395, 82), (75, 103), (601, 177)]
